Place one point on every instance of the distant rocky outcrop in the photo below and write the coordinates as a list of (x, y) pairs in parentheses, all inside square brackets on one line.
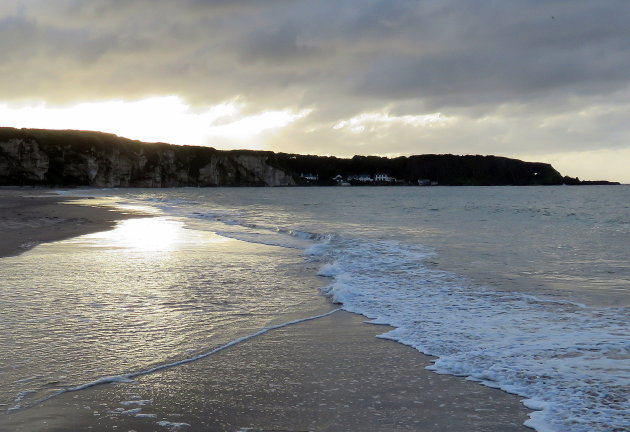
[(577, 182), (82, 158)]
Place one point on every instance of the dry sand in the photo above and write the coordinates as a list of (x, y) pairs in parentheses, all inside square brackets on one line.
[(330, 374)]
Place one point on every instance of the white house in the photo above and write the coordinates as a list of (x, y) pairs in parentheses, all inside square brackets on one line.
[(312, 177), (381, 177)]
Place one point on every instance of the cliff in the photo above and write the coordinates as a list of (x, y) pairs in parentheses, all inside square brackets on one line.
[(81, 158), (449, 170)]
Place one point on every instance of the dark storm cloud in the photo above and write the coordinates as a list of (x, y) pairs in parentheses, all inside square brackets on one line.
[(23, 39), (276, 46), (510, 64), (506, 53), (446, 53)]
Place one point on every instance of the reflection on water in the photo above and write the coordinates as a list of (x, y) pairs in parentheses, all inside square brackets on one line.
[(571, 242), (149, 235), (536, 252), (113, 202), (148, 292), (155, 291)]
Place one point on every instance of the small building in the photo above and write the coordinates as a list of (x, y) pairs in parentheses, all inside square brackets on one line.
[(381, 177), (341, 181), (365, 178), (310, 177)]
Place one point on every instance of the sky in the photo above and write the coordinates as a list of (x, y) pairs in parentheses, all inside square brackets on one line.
[(545, 81)]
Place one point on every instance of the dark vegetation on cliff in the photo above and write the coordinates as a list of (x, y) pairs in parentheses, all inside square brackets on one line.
[(82, 158), (441, 169)]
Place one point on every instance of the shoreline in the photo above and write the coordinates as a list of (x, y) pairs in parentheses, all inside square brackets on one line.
[(30, 216), (329, 374)]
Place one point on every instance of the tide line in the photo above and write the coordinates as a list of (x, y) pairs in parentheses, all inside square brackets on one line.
[(129, 377)]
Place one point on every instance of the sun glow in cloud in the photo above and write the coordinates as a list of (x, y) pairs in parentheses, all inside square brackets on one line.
[(372, 121), (246, 127), (165, 119)]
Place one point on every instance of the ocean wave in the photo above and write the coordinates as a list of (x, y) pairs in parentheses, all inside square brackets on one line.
[(569, 361)]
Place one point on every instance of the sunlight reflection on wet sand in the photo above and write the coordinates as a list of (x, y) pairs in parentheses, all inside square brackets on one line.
[(157, 234)]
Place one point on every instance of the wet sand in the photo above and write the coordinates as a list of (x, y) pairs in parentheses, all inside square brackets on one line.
[(29, 216), (330, 374)]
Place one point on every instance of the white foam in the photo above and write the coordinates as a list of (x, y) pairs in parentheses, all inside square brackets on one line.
[(103, 380), (139, 402), (172, 425), (132, 411), (25, 380), (19, 398), (569, 360), (266, 238), (317, 250), (128, 378), (256, 232)]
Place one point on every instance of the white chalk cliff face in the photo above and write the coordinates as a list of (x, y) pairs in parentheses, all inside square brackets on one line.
[(102, 160)]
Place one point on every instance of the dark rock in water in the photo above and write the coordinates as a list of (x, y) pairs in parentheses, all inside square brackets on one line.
[(598, 182), (82, 158), (577, 182)]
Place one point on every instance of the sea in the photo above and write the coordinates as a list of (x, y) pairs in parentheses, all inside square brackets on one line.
[(524, 289)]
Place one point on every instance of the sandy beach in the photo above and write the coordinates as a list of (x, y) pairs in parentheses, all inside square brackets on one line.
[(330, 374), (29, 216)]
